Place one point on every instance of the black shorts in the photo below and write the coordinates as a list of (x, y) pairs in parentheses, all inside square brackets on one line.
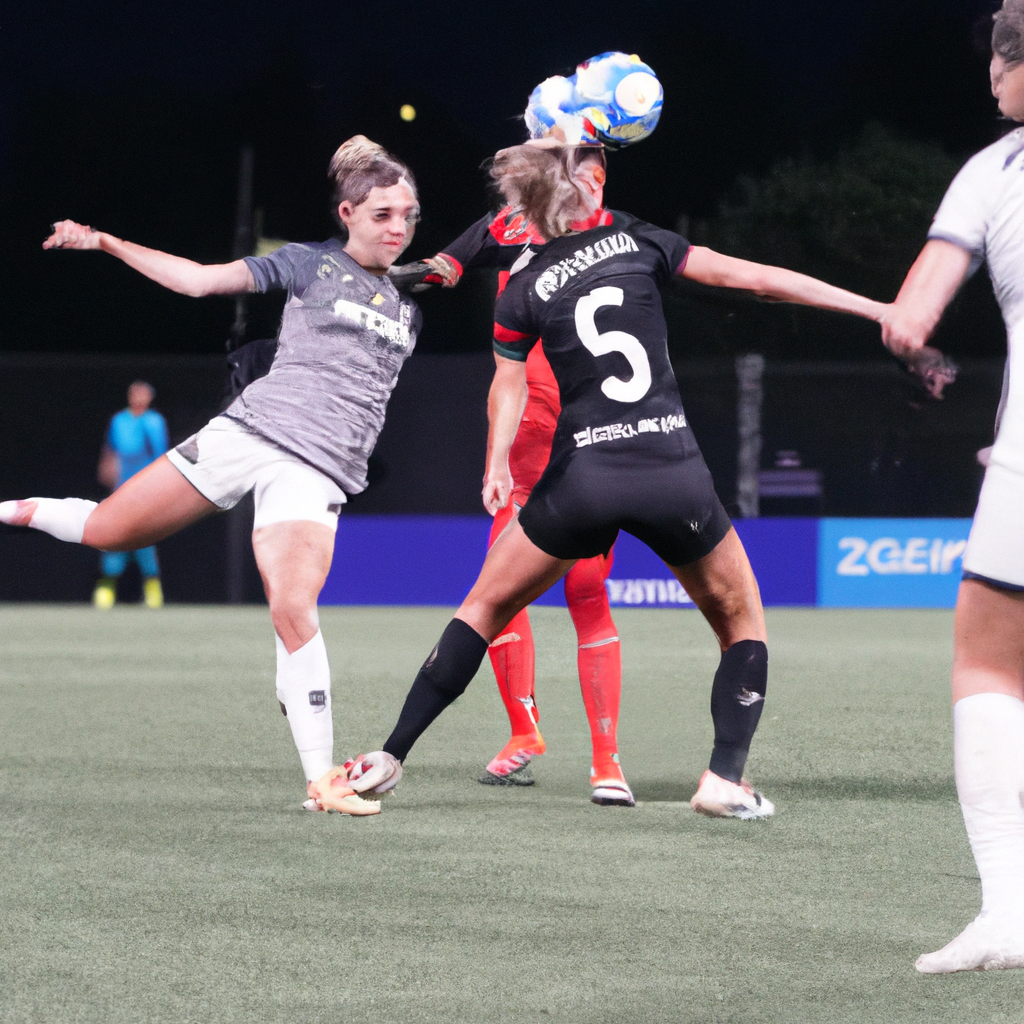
[(577, 510)]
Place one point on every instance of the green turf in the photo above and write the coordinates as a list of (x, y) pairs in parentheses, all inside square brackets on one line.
[(155, 864)]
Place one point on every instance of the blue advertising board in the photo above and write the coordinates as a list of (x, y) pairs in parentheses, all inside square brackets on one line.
[(890, 563), (433, 560)]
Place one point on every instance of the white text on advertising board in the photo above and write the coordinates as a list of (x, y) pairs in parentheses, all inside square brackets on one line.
[(654, 591), (917, 556)]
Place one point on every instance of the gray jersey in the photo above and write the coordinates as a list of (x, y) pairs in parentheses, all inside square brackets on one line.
[(344, 336)]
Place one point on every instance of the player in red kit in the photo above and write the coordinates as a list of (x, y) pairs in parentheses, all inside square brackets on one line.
[(496, 241)]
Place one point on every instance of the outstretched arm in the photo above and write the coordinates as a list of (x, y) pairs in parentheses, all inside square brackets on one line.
[(505, 404), (174, 272), (928, 289), (712, 268)]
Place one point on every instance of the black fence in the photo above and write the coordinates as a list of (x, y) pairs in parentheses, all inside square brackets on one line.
[(878, 447)]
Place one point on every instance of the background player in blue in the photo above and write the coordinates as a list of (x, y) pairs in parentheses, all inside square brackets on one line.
[(136, 436), (623, 455)]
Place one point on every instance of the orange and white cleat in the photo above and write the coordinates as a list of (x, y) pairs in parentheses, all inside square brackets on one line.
[(510, 766), (333, 793), (719, 798), (610, 788)]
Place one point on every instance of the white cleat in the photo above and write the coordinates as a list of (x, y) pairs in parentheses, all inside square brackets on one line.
[(612, 793), (377, 772), (17, 513), (719, 798), (984, 945), (311, 805)]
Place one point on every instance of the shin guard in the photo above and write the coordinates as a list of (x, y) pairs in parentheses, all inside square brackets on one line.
[(988, 755), (737, 699), (443, 677), (304, 690)]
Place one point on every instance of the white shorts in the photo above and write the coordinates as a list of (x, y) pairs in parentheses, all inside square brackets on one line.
[(224, 461), (995, 549)]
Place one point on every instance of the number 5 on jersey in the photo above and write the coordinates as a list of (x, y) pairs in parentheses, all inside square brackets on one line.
[(616, 388)]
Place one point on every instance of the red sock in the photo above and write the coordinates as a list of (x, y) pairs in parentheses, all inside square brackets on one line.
[(512, 657), (599, 659)]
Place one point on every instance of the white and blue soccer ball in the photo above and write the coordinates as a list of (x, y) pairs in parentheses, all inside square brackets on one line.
[(613, 99)]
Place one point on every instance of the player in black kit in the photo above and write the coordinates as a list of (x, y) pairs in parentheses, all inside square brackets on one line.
[(623, 457)]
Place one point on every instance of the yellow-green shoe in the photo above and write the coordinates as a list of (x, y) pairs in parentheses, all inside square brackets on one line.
[(105, 594), (152, 592)]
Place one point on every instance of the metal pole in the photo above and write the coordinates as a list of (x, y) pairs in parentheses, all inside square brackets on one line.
[(239, 519), (749, 397)]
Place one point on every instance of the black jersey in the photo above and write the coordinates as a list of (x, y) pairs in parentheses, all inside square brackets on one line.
[(593, 297)]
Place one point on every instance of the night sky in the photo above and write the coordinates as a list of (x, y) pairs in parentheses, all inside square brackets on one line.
[(132, 117)]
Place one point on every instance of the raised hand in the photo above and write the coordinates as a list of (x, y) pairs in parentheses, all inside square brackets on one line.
[(68, 234)]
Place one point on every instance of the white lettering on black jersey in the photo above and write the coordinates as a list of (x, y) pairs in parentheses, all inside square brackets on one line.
[(555, 277), (593, 298)]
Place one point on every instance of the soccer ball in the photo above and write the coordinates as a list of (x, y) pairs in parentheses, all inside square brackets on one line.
[(613, 99)]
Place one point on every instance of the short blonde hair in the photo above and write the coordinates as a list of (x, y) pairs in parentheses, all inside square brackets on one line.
[(359, 165), (541, 181)]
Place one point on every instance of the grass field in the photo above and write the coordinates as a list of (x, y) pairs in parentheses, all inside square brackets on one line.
[(155, 865)]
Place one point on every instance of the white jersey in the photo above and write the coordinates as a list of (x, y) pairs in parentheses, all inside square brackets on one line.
[(983, 212)]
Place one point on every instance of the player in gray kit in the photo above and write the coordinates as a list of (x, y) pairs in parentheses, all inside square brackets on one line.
[(298, 438)]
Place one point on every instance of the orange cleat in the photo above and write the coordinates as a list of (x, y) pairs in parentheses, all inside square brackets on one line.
[(333, 793), (610, 788), (509, 767)]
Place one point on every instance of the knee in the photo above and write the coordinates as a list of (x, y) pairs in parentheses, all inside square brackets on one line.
[(295, 619)]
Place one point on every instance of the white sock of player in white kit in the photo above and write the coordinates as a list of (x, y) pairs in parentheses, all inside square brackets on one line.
[(63, 518), (988, 752), (304, 688)]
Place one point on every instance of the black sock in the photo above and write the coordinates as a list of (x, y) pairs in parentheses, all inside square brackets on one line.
[(443, 677), (737, 699)]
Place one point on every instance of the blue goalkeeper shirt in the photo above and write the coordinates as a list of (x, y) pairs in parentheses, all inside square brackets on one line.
[(137, 440)]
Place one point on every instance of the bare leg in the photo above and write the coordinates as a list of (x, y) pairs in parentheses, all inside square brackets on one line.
[(723, 587), (153, 504), (988, 753), (514, 573), (294, 559), (146, 508)]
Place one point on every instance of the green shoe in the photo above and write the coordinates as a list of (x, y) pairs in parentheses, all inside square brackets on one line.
[(105, 594), (152, 592)]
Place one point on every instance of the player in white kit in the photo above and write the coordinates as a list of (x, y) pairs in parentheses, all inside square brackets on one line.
[(982, 218)]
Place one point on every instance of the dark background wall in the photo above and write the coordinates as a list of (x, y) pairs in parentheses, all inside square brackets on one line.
[(882, 450)]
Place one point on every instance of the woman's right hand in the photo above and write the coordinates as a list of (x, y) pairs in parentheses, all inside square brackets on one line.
[(68, 234), (497, 490)]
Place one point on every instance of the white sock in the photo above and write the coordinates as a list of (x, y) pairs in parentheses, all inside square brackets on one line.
[(988, 752), (63, 518), (304, 688)]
